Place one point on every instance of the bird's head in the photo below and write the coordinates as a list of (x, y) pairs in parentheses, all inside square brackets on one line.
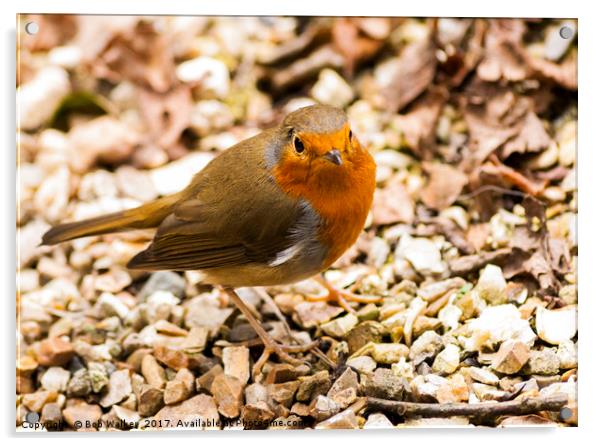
[(318, 152)]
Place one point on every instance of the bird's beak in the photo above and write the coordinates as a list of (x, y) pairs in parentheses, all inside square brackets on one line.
[(334, 156)]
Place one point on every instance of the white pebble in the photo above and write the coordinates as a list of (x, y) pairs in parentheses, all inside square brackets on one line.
[(448, 360), (567, 353), (492, 285), (38, 99), (55, 378), (556, 326), (175, 176), (450, 316), (211, 72), (422, 253), (111, 305), (65, 56), (52, 197), (332, 89), (497, 324)]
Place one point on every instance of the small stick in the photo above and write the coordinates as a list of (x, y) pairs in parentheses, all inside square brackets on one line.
[(516, 407)]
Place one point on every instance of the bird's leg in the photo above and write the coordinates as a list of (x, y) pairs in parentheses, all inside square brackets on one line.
[(270, 345), (341, 297), (314, 350)]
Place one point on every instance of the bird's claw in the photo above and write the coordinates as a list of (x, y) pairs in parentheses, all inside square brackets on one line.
[(281, 351), (341, 297)]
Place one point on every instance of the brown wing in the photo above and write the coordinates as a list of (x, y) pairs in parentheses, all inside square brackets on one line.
[(233, 214), (181, 245)]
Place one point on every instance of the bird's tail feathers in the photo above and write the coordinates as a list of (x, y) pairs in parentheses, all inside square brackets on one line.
[(148, 215)]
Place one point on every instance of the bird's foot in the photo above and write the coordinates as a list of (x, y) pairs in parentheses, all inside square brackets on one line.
[(282, 351), (270, 344), (341, 297)]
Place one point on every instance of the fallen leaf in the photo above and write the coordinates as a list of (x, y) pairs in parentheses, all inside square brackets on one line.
[(450, 230), (166, 114), (420, 123), (557, 173), (501, 59), (358, 39), (515, 178), (559, 255), (538, 266), (414, 71), (525, 239), (95, 32), (444, 186), (494, 116), (392, 205), (464, 58), (532, 137), (139, 54), (489, 182), (563, 74)]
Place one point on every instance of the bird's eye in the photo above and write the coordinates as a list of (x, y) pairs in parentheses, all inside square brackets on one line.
[(299, 147), (350, 135)]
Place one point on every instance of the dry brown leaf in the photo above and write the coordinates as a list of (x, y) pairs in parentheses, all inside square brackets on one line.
[(445, 185), (559, 254), (554, 174), (358, 39), (449, 229), (139, 54), (489, 176), (502, 60), (166, 115), (484, 139), (420, 123), (466, 52), (532, 137), (504, 121), (493, 117), (538, 266), (414, 72), (525, 239), (535, 253), (96, 32), (515, 178), (563, 74), (508, 177), (392, 205)]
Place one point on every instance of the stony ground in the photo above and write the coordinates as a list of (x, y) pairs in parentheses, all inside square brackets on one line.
[(471, 243)]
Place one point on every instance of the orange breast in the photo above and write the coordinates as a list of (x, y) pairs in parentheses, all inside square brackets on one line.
[(341, 195)]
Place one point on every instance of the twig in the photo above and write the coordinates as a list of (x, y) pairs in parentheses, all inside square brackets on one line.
[(492, 188), (490, 409), (300, 70), (297, 45)]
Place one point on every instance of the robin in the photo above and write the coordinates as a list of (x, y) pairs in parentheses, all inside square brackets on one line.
[(276, 208)]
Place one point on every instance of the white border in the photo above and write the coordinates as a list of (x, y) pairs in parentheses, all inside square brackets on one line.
[(590, 188)]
